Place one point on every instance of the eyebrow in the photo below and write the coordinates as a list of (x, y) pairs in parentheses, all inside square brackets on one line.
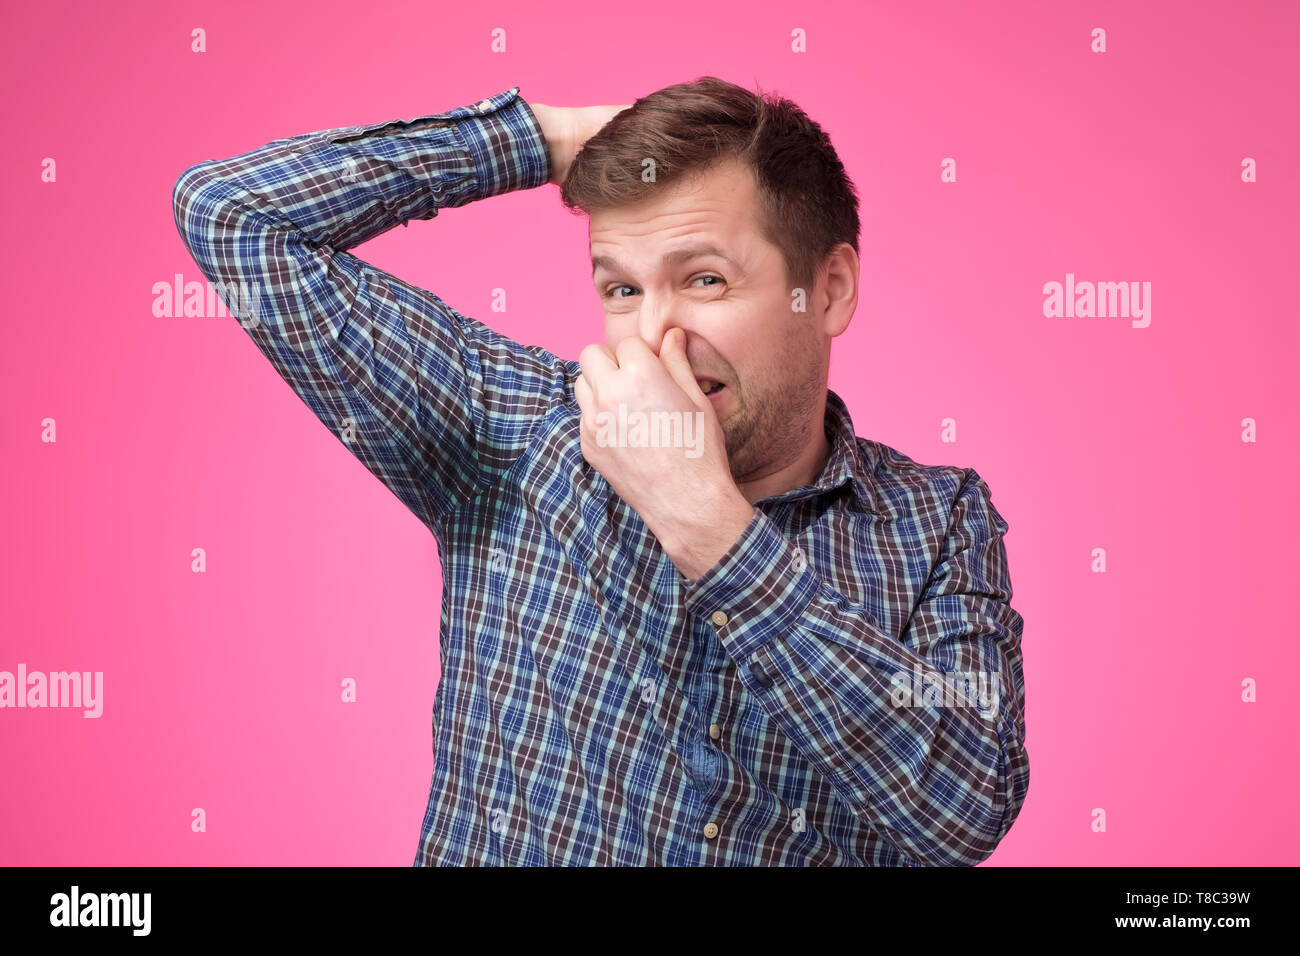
[(677, 256)]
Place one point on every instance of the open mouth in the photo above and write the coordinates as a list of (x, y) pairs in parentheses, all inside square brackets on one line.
[(709, 387)]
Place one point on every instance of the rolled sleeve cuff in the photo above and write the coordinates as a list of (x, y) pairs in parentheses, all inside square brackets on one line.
[(758, 590)]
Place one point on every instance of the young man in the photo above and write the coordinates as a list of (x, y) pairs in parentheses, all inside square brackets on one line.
[(759, 640)]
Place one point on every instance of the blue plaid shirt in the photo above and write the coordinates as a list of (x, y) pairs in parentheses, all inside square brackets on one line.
[(595, 706)]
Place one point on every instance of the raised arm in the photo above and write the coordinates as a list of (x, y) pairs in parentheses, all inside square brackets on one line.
[(432, 402)]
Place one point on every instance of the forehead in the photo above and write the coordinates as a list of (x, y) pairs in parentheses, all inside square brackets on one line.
[(711, 210)]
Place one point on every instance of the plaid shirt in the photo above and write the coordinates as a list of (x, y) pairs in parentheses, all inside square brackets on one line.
[(595, 706)]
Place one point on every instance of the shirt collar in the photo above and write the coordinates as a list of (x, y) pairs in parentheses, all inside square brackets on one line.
[(850, 462)]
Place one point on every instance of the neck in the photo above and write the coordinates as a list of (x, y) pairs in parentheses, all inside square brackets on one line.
[(803, 470)]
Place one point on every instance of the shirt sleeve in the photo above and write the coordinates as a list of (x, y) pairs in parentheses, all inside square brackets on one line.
[(435, 404), (923, 735)]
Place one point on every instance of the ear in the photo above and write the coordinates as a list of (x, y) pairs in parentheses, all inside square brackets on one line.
[(840, 294)]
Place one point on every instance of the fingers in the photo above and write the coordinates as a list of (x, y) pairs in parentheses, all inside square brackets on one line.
[(582, 392), (597, 360), (673, 356), (634, 357), (631, 350)]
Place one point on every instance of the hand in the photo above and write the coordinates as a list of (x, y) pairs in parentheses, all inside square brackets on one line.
[(673, 471), (566, 128)]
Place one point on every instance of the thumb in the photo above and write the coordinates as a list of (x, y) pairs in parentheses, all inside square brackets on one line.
[(673, 356)]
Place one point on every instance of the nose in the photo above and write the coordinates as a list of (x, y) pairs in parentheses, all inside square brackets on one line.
[(655, 318)]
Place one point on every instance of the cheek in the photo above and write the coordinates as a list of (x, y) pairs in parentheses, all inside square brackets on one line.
[(617, 328)]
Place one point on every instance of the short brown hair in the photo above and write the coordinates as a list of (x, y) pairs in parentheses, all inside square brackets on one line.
[(808, 203)]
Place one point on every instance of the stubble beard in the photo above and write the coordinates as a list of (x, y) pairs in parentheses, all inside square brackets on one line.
[(770, 430)]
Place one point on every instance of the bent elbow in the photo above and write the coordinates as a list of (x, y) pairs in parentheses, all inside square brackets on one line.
[(970, 837), (187, 206)]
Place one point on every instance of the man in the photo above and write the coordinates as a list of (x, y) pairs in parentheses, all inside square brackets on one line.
[(737, 645)]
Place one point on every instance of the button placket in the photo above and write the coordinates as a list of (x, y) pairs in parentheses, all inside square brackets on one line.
[(758, 671)]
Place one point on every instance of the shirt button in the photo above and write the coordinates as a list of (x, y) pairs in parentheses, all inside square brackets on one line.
[(715, 731), (718, 617), (710, 831), (484, 105)]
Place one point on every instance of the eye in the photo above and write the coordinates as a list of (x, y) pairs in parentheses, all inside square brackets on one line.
[(609, 293), (698, 278)]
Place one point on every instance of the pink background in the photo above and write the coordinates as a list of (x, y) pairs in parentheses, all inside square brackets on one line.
[(222, 690)]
